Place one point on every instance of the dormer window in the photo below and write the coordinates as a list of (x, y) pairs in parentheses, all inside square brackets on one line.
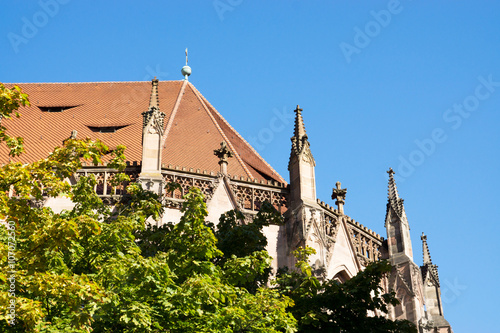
[(105, 129), (54, 108)]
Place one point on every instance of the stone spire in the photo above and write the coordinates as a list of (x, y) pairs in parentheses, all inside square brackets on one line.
[(301, 164), (152, 131), (406, 276), (432, 291), (153, 100), (299, 139), (153, 118), (425, 248), (428, 266), (306, 215), (393, 190), (300, 129), (396, 223), (393, 196)]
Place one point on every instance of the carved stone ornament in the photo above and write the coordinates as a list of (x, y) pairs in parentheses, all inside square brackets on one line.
[(223, 153), (331, 226), (425, 325), (248, 218), (363, 260), (339, 194), (153, 121)]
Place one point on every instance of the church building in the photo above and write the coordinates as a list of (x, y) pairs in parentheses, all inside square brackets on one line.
[(173, 134)]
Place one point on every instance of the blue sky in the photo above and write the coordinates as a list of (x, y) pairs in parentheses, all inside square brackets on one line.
[(410, 85)]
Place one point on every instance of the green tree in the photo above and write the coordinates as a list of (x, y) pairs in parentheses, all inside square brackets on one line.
[(10, 101), (245, 244)]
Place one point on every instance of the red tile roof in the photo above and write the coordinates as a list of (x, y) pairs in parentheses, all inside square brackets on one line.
[(193, 128)]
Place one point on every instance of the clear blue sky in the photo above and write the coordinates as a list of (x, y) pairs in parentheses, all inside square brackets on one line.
[(410, 85)]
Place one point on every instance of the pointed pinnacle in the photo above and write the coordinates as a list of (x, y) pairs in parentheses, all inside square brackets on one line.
[(393, 196), (393, 190), (300, 130), (425, 248), (153, 100)]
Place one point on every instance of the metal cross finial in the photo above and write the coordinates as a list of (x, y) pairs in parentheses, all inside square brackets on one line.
[(186, 56)]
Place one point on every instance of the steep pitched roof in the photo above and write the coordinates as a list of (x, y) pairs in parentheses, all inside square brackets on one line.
[(193, 128)]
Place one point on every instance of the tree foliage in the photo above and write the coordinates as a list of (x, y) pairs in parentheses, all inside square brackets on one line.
[(10, 101), (244, 244)]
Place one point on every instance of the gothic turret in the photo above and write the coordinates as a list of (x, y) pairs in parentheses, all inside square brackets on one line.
[(432, 291), (396, 223), (405, 279), (301, 165), (152, 131), (304, 215)]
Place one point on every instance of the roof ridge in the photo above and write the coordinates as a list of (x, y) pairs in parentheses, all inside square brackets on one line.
[(236, 154), (93, 82), (173, 113), (239, 136)]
